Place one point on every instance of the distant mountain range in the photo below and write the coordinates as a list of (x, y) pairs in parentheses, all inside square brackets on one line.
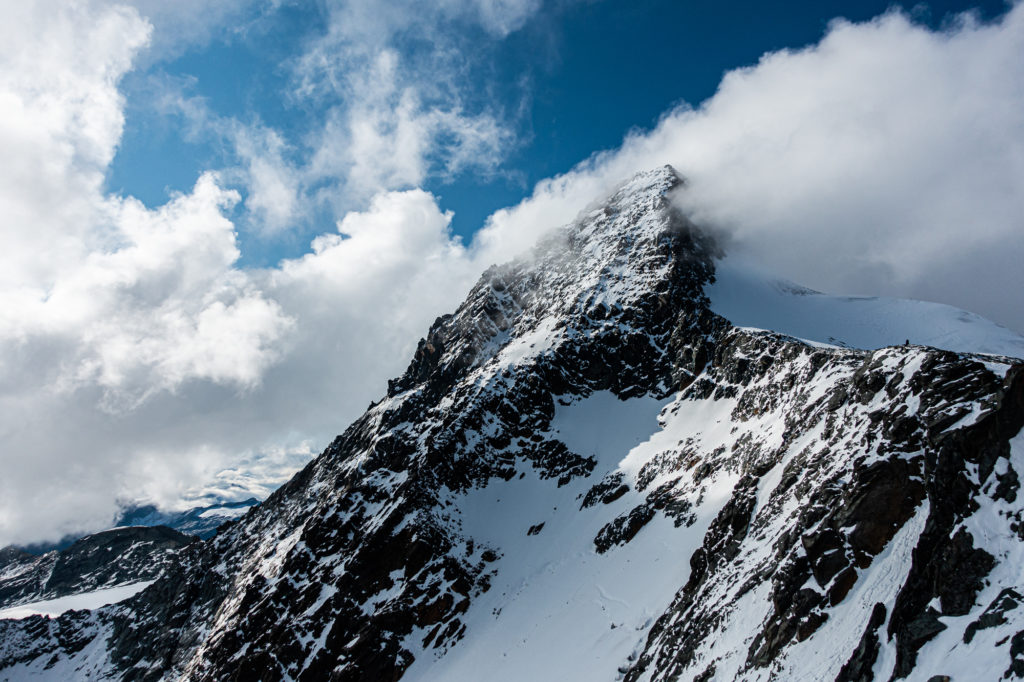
[(202, 522), (107, 559), (137, 549)]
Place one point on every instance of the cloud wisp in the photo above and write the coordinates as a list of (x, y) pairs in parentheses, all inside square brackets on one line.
[(395, 91)]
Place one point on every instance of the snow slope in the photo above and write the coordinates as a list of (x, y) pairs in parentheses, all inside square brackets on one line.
[(549, 579), (748, 298), (227, 513), (52, 608)]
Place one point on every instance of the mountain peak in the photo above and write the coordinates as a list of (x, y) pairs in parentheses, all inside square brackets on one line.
[(629, 252), (656, 180)]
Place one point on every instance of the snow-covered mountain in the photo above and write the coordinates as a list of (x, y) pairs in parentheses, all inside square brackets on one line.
[(588, 472), (108, 566), (101, 561)]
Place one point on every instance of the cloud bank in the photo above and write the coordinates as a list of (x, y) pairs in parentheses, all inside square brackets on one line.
[(886, 159), (138, 359)]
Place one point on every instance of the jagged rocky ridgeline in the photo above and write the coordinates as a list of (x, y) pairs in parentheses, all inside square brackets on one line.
[(586, 474)]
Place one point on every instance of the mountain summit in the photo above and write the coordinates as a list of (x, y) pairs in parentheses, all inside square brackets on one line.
[(586, 473)]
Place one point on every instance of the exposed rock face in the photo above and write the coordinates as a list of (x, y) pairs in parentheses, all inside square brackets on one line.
[(854, 488), (795, 512), (12, 555), (112, 557)]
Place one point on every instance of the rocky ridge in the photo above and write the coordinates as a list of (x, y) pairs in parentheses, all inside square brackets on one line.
[(780, 509), (112, 557)]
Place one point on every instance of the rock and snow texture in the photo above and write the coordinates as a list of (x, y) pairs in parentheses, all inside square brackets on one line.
[(111, 558), (588, 474)]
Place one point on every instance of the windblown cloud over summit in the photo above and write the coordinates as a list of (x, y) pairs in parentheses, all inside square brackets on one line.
[(886, 159)]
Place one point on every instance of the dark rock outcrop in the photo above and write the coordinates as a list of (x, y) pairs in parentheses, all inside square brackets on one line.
[(112, 557)]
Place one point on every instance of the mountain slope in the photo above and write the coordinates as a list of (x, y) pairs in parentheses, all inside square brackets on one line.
[(585, 473), (102, 560)]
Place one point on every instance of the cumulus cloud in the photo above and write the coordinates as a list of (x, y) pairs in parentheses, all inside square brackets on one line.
[(165, 305), (60, 120), (139, 296), (886, 159), (228, 410), (137, 359), (104, 304)]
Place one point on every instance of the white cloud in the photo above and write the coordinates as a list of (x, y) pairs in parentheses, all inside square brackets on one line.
[(136, 357), (365, 27), (389, 138), (273, 185), (390, 82), (160, 306), (399, 70), (505, 16), (103, 303), (184, 24), (887, 159), (60, 120)]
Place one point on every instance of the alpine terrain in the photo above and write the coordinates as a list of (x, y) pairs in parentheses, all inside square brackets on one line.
[(621, 458)]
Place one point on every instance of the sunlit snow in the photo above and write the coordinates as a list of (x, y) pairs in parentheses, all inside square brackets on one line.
[(75, 602)]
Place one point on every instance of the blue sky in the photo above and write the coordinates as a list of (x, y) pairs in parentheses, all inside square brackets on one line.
[(570, 82), (224, 224)]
